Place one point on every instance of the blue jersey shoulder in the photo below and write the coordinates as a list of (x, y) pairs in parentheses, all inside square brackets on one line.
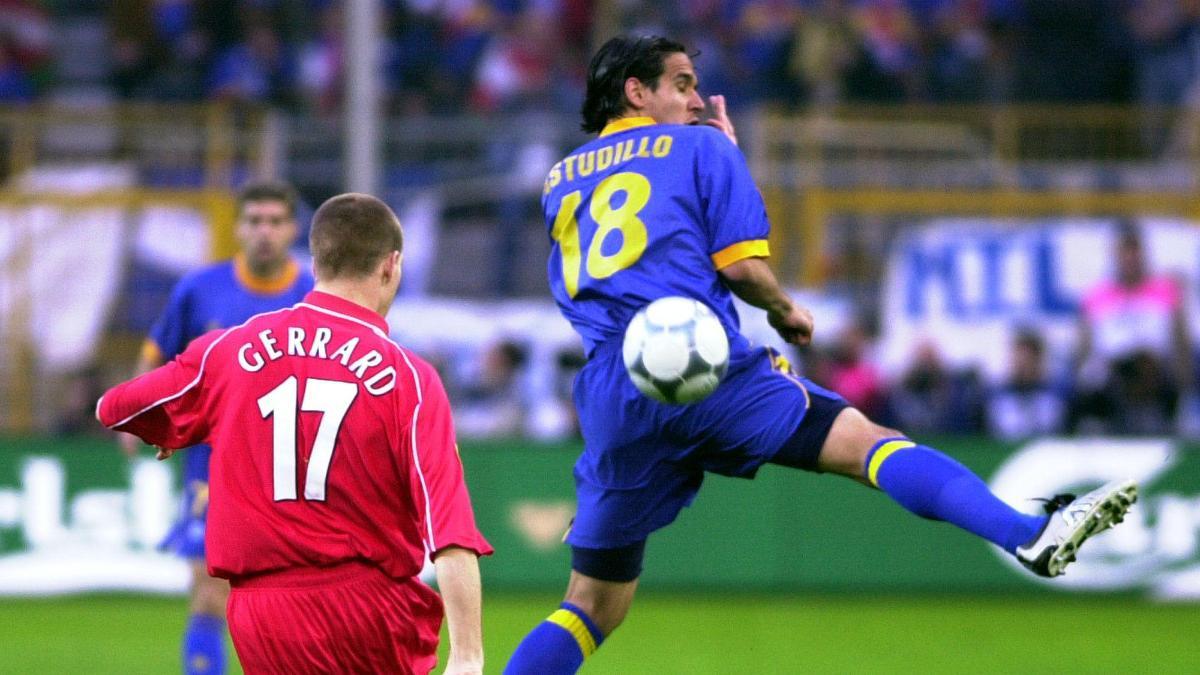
[(701, 139), (213, 297), (707, 145), (208, 277)]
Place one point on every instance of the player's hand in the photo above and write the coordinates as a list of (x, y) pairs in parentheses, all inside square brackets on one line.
[(129, 444), (720, 119), (795, 325), (163, 453)]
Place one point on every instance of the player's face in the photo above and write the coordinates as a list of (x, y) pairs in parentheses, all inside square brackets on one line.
[(676, 99), (266, 231)]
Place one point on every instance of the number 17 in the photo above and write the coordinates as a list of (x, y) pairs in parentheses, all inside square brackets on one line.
[(331, 397)]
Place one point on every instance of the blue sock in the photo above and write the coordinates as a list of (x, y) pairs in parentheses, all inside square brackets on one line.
[(936, 487), (204, 645), (557, 645)]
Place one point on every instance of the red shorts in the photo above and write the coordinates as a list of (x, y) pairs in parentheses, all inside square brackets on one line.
[(351, 618)]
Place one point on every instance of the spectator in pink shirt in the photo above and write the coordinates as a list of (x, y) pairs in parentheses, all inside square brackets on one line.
[(851, 372), (1135, 350)]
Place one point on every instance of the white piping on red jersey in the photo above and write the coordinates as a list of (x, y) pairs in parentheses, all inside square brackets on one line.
[(429, 543), (430, 546), (199, 374)]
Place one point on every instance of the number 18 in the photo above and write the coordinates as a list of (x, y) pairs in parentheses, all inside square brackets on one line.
[(623, 219)]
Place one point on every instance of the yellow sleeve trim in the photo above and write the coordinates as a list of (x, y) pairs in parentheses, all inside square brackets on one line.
[(274, 286), (754, 248), (883, 453), (574, 625), (151, 353)]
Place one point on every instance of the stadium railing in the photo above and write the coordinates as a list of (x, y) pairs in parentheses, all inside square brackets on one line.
[(823, 172), (811, 225), (177, 145)]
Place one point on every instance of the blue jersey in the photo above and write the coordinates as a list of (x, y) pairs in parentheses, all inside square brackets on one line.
[(646, 211), (642, 212), (217, 296), (221, 296)]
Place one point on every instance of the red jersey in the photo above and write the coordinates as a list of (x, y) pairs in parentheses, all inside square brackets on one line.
[(330, 442)]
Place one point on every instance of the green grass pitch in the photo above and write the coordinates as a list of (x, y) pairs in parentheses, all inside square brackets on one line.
[(700, 633)]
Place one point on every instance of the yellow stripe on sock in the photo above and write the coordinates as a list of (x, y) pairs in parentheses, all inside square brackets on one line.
[(575, 626), (882, 454)]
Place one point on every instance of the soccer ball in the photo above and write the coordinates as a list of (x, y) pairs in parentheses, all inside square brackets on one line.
[(676, 350)]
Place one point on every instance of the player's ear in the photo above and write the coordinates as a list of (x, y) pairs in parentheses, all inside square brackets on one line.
[(635, 93), (391, 267)]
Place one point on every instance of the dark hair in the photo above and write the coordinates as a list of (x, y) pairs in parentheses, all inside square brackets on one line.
[(267, 191), (351, 233), (618, 60), (1029, 338), (513, 352)]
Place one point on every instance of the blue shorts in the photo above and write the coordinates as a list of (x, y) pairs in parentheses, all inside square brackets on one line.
[(643, 461), (186, 536)]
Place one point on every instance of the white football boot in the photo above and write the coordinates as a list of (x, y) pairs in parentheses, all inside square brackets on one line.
[(1072, 521)]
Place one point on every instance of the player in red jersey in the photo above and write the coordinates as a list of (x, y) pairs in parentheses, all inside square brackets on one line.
[(334, 469)]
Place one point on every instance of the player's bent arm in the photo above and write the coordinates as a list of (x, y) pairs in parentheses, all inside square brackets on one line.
[(752, 280), (162, 406), (458, 580)]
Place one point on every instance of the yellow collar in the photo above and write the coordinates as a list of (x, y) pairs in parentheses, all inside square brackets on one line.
[(279, 284), (626, 123)]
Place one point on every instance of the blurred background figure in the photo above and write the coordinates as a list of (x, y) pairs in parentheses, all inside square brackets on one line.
[(848, 367), (16, 85), (491, 400), (932, 398), (263, 276), (1027, 404), (1135, 349)]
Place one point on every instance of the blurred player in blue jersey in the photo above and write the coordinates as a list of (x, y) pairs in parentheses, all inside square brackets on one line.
[(262, 277), (660, 204)]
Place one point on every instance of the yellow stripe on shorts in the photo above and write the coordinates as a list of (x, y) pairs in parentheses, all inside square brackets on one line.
[(883, 453), (575, 626)]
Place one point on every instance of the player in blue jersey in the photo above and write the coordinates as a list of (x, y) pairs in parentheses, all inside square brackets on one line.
[(262, 277), (659, 204)]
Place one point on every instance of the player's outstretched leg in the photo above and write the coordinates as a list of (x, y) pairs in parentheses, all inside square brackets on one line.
[(592, 610), (934, 486)]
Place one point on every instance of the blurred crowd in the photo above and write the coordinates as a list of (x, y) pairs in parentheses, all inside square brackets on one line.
[(1133, 372), (488, 55)]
